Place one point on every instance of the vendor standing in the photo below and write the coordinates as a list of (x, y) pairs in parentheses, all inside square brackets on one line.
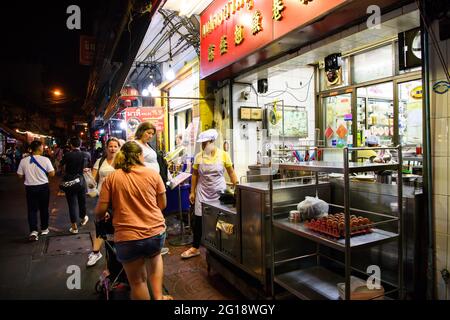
[(208, 181)]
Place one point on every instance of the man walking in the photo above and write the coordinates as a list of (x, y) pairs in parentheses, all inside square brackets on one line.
[(75, 162), (36, 169)]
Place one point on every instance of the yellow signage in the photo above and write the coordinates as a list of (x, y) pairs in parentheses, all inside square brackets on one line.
[(416, 93), (231, 7), (239, 35), (211, 49), (277, 7), (223, 45), (256, 22)]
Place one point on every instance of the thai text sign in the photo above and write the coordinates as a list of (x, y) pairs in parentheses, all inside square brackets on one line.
[(135, 116)]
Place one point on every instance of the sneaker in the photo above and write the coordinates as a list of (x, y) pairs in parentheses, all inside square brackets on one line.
[(164, 251), (93, 258), (33, 236), (74, 231), (85, 220), (45, 232)]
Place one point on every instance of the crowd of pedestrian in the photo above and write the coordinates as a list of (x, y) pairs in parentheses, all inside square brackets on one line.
[(130, 182)]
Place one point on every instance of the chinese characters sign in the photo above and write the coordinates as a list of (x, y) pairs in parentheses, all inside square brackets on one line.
[(241, 27), (135, 116)]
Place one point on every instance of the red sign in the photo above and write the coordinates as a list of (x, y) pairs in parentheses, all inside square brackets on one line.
[(233, 29), (135, 116), (87, 50)]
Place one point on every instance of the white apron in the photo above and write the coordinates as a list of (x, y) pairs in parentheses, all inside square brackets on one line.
[(211, 181)]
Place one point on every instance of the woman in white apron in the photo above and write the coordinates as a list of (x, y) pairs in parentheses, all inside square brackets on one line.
[(207, 181)]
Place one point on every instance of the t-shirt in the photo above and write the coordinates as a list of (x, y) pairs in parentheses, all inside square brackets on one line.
[(150, 156), (103, 172), (219, 156), (133, 196), (75, 161), (34, 176)]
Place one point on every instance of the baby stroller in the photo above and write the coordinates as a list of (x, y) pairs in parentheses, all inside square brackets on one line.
[(113, 281)]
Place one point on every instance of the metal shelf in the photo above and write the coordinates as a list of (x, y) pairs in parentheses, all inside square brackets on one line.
[(337, 167), (315, 283), (377, 236)]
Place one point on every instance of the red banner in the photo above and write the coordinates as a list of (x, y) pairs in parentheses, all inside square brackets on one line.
[(87, 50), (135, 116), (233, 29)]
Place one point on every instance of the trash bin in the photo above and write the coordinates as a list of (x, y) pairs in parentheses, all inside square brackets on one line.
[(172, 199)]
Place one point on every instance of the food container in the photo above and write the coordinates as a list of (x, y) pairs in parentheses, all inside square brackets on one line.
[(294, 216)]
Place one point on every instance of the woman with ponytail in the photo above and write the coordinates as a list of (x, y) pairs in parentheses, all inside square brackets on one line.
[(137, 195)]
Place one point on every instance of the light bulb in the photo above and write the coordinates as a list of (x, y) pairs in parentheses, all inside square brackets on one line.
[(170, 74), (154, 92), (145, 93)]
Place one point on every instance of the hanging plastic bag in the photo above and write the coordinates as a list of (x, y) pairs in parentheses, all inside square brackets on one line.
[(91, 184), (312, 208)]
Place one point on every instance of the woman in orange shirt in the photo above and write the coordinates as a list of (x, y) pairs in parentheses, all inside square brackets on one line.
[(137, 195)]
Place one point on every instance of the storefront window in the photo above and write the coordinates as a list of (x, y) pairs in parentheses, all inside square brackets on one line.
[(375, 110), (374, 64), (338, 111), (410, 112)]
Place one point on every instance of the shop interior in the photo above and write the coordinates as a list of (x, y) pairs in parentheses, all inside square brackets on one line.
[(299, 115)]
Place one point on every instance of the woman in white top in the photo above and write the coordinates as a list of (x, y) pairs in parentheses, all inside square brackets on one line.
[(102, 168), (144, 133)]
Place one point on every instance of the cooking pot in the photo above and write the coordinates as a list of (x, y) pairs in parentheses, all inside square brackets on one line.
[(227, 197)]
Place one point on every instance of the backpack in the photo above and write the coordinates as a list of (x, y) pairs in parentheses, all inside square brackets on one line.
[(97, 177)]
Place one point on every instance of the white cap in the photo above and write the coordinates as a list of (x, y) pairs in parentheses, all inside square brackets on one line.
[(208, 135)]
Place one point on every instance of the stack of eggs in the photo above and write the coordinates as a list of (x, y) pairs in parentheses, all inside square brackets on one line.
[(334, 225)]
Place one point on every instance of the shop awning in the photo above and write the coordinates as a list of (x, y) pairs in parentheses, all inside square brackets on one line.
[(12, 133)]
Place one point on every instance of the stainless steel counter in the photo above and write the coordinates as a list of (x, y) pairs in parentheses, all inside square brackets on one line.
[(228, 208)]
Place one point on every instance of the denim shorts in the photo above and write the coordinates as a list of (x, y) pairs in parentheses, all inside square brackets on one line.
[(128, 251)]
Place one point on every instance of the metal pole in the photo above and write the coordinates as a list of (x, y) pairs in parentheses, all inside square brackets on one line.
[(272, 246), (400, 215), (427, 168), (347, 224)]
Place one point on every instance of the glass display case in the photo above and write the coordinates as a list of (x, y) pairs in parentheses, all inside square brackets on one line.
[(375, 112)]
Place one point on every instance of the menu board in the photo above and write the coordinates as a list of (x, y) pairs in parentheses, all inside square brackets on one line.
[(294, 119)]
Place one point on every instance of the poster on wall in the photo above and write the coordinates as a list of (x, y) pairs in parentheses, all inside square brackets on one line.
[(135, 116), (293, 119)]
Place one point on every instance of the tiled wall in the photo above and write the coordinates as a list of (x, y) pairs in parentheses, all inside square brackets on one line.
[(440, 151)]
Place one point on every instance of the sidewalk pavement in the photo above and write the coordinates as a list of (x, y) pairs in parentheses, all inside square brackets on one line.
[(39, 270)]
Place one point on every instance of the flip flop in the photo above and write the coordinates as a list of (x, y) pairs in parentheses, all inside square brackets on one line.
[(189, 254)]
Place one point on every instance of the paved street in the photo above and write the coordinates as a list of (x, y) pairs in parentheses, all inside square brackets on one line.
[(38, 270)]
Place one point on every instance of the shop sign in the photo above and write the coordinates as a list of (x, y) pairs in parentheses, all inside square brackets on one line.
[(233, 29), (135, 116), (416, 93), (87, 50)]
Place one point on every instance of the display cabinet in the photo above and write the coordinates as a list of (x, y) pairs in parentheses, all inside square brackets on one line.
[(326, 259)]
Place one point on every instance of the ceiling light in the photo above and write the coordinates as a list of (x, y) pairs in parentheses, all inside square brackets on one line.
[(170, 74), (145, 92)]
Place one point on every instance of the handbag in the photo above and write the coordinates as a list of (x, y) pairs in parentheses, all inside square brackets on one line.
[(73, 185)]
